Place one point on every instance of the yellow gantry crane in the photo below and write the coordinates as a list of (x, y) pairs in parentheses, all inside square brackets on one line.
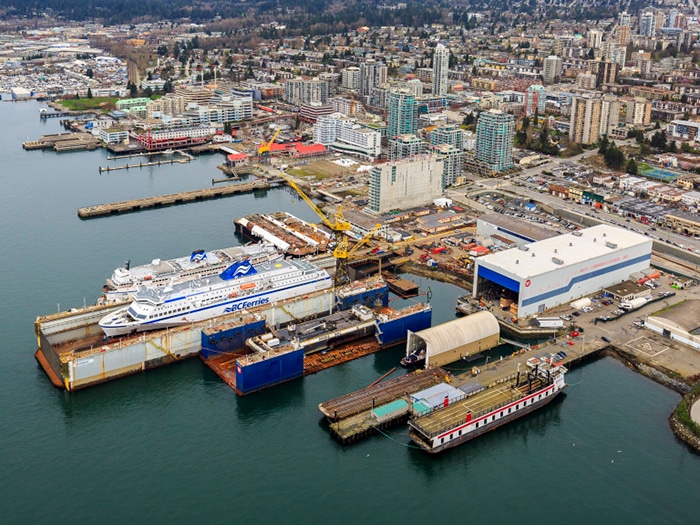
[(338, 226), (265, 146)]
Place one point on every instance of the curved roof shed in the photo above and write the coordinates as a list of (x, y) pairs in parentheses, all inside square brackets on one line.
[(449, 342)]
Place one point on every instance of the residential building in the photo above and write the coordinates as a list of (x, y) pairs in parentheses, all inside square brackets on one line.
[(405, 146), (647, 23), (552, 69), (453, 159), (403, 113), (441, 61), (535, 100), (350, 78), (449, 134), (638, 112), (494, 139), (346, 135), (405, 184), (372, 74), (585, 119), (609, 115)]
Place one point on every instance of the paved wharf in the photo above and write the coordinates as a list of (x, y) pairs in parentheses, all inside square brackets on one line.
[(100, 210)]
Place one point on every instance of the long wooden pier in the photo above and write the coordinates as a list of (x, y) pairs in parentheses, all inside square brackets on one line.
[(172, 199)]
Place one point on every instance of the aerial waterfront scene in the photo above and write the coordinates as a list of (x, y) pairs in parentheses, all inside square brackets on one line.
[(341, 263)]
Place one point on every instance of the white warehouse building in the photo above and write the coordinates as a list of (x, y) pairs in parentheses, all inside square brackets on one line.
[(548, 273)]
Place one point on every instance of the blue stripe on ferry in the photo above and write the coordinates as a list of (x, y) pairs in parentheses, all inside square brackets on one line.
[(242, 299), (585, 277)]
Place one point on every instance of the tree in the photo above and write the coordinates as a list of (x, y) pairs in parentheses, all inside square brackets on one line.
[(631, 167), (148, 92), (658, 140), (604, 145), (89, 73), (89, 93), (614, 157), (227, 128)]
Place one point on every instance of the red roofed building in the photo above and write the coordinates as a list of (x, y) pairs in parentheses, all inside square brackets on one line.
[(296, 149), (237, 159)]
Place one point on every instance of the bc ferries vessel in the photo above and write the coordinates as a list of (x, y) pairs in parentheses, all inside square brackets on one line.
[(452, 423), (125, 281), (240, 286)]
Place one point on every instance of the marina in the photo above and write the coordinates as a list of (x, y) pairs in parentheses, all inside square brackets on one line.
[(184, 159), (130, 206)]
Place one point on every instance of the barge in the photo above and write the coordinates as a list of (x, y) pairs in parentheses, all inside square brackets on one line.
[(288, 233), (460, 419)]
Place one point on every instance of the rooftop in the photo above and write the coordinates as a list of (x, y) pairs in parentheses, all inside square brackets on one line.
[(548, 255)]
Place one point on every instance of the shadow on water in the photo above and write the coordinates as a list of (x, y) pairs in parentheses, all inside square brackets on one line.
[(271, 402), (522, 430)]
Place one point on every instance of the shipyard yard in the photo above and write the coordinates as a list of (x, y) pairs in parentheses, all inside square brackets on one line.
[(286, 417)]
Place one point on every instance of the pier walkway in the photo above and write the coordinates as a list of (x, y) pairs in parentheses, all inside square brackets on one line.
[(101, 210)]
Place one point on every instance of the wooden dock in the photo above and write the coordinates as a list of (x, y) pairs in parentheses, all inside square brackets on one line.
[(64, 142), (184, 160), (172, 199), (350, 416)]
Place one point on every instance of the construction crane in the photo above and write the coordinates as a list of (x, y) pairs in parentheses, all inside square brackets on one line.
[(265, 146), (338, 226), (342, 254)]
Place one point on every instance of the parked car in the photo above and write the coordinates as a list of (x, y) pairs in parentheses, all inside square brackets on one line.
[(605, 339)]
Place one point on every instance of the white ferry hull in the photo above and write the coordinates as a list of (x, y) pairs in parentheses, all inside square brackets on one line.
[(114, 327)]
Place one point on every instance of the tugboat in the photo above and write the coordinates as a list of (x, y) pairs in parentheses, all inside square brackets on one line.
[(414, 359)]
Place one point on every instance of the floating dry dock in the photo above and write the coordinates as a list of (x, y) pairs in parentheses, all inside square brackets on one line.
[(73, 353), (281, 354), (185, 197)]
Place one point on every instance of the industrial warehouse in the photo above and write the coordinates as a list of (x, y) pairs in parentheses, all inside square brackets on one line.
[(542, 275)]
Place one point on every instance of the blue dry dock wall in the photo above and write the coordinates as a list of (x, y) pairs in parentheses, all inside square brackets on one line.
[(269, 371)]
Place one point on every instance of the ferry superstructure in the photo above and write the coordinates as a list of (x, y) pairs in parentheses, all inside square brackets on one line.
[(241, 286), (200, 264), (450, 424)]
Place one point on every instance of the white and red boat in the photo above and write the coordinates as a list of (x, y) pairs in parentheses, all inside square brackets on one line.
[(445, 426)]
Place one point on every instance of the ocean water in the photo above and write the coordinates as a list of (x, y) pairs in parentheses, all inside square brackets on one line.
[(177, 445)]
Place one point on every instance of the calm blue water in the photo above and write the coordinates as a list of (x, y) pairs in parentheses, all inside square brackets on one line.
[(176, 444)]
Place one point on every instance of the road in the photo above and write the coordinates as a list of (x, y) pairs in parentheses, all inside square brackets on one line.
[(518, 185)]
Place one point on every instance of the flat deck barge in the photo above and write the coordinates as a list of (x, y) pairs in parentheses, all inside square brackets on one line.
[(288, 233)]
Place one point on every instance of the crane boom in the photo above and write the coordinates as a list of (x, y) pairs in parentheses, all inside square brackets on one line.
[(265, 146), (339, 224)]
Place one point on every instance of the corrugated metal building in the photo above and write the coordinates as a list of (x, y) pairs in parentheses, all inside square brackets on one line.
[(449, 342), (541, 275)]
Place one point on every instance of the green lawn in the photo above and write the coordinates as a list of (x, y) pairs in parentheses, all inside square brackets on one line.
[(87, 104)]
